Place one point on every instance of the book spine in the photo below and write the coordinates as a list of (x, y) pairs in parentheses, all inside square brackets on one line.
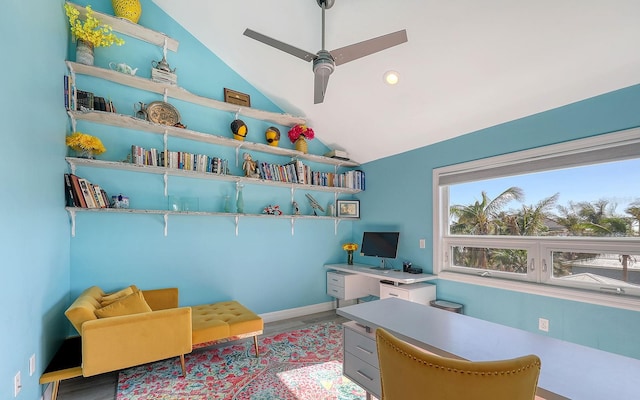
[(77, 191), (68, 190)]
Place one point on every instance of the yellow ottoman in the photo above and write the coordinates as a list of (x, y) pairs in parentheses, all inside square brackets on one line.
[(224, 321)]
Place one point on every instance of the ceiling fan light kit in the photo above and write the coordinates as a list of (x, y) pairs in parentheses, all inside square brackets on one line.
[(324, 62)]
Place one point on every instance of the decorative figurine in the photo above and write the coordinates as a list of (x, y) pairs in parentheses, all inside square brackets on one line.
[(272, 134), (250, 167), (296, 209), (239, 129), (272, 210), (314, 204)]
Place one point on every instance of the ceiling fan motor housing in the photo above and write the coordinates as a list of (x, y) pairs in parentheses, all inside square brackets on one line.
[(323, 63)]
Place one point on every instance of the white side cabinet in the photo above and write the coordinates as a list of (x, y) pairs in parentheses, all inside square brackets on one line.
[(346, 286), (421, 293)]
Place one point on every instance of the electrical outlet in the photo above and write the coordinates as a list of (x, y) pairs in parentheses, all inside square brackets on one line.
[(543, 324), (32, 365), (17, 384), (423, 243)]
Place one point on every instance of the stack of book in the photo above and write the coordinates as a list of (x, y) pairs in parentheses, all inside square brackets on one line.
[(160, 76), (79, 192), (179, 160)]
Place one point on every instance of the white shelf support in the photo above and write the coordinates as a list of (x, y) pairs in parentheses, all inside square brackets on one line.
[(237, 219), (238, 154), (166, 224), (335, 228), (293, 193), (72, 214), (165, 95), (166, 184), (293, 223), (74, 123)]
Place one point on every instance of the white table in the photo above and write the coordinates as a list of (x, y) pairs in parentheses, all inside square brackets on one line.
[(568, 370)]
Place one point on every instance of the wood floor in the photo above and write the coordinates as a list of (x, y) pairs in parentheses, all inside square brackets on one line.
[(103, 387)]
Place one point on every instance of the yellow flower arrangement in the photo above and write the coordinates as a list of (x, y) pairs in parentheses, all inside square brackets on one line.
[(91, 31), (349, 247), (82, 142)]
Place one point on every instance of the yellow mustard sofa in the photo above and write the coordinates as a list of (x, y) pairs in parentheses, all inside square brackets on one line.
[(118, 332), (132, 327)]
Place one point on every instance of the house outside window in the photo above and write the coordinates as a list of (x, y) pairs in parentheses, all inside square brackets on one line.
[(561, 220)]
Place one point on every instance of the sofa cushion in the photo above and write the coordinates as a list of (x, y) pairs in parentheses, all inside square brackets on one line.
[(82, 309), (112, 297), (131, 304)]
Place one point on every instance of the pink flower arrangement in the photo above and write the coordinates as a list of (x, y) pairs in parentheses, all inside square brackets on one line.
[(300, 130)]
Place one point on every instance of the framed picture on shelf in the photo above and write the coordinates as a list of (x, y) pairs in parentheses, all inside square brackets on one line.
[(348, 208), (233, 97)]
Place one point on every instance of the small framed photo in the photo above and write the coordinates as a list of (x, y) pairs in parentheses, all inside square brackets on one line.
[(233, 97), (348, 208)]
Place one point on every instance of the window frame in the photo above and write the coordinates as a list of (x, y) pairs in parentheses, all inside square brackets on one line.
[(614, 146)]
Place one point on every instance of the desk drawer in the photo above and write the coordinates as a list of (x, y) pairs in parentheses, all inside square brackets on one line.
[(362, 373), (361, 346), (335, 278), (335, 291)]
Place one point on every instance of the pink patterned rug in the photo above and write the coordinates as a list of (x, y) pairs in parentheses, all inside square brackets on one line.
[(296, 365)]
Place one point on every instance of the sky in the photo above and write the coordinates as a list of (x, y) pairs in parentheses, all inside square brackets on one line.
[(617, 182)]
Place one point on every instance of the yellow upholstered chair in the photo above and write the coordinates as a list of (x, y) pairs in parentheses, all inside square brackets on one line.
[(409, 373)]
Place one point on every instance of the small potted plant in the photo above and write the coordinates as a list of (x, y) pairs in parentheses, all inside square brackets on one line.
[(298, 134), (86, 145), (89, 34)]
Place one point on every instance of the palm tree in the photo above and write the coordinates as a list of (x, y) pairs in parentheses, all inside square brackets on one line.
[(479, 218), (634, 210)]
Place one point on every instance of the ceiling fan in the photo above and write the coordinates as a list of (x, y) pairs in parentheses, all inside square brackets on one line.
[(324, 62)]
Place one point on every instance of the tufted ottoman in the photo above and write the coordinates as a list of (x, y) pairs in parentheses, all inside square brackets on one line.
[(223, 321)]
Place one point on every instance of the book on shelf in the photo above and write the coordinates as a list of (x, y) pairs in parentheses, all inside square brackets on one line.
[(339, 154), (68, 191), (87, 193), (78, 197), (98, 196)]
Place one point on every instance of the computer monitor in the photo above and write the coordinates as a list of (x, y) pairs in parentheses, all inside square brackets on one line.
[(380, 244)]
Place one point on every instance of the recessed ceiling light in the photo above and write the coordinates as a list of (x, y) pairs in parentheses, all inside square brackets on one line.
[(391, 77)]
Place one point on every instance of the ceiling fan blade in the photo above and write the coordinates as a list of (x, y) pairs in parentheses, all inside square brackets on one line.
[(320, 82), (367, 47), (305, 55)]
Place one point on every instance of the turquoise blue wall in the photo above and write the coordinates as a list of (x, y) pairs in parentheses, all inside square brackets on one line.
[(265, 266), (34, 228), (406, 204)]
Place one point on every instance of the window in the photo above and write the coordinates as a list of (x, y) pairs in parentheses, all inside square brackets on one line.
[(564, 216)]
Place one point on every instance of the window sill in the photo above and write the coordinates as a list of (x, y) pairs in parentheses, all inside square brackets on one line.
[(584, 296)]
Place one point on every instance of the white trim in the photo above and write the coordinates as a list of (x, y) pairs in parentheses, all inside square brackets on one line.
[(591, 297), (297, 312)]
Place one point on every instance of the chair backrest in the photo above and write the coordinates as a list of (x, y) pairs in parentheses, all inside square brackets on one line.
[(409, 373)]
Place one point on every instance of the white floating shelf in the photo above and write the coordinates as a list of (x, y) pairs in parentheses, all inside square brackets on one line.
[(130, 122), (130, 29)]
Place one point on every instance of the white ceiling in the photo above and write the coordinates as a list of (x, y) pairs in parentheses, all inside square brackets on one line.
[(468, 64)]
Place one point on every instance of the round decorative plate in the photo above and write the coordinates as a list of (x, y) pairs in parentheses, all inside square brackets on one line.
[(162, 112)]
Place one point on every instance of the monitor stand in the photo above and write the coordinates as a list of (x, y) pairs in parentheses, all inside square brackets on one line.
[(382, 265)]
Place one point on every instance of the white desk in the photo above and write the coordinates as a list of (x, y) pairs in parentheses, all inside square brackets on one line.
[(394, 275), (568, 370), (348, 282)]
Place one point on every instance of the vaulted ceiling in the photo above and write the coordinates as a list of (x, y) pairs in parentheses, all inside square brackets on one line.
[(468, 64)]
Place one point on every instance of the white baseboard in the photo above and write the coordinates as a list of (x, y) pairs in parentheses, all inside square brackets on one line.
[(297, 312)]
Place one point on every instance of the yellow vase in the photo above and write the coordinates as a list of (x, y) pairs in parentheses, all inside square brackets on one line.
[(301, 144), (127, 9)]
